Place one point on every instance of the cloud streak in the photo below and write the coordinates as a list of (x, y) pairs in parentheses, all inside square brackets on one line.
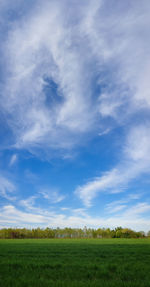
[(7, 188), (13, 159), (135, 161), (53, 196)]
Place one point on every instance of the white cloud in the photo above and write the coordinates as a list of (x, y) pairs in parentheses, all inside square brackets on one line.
[(33, 202), (116, 206), (134, 196), (29, 203), (82, 212), (11, 216), (53, 196), (104, 132), (137, 146), (39, 56), (137, 210), (116, 35), (76, 211), (7, 188), (91, 42), (13, 159), (134, 162)]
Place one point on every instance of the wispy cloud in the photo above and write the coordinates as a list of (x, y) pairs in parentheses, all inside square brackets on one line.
[(29, 203), (40, 58), (7, 188), (134, 161), (13, 159), (53, 196), (94, 42), (116, 206), (137, 209)]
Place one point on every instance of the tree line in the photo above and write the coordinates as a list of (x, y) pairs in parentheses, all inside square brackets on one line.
[(119, 232)]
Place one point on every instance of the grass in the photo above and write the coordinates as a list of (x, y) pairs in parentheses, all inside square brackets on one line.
[(70, 263)]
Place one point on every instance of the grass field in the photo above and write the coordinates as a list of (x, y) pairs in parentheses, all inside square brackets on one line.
[(70, 263)]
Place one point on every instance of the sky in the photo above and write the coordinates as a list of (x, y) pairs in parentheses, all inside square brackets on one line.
[(75, 113)]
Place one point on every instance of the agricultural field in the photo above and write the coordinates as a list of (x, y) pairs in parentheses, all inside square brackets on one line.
[(75, 262)]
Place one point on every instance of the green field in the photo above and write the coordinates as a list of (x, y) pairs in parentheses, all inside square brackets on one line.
[(70, 262)]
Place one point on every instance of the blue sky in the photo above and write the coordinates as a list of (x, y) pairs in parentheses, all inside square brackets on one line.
[(75, 113)]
